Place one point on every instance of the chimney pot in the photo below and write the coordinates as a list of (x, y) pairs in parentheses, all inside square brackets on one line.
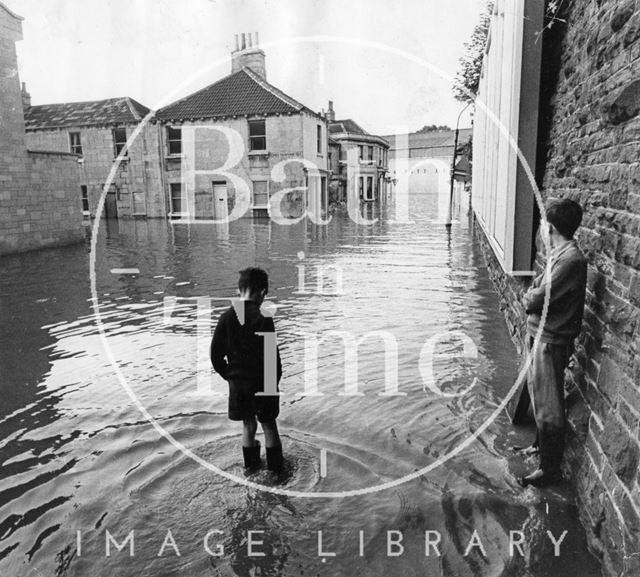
[(248, 54), (331, 115)]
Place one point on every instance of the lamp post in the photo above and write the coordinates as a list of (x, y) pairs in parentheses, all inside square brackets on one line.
[(453, 167)]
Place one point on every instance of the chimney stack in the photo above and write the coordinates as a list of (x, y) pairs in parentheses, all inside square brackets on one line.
[(26, 97), (330, 114), (248, 54)]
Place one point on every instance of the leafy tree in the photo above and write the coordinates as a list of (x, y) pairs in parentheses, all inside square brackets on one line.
[(467, 79), (432, 128)]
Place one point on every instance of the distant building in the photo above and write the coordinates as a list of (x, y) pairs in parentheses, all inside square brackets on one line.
[(243, 134), (39, 203), (425, 158), (363, 161), (98, 131)]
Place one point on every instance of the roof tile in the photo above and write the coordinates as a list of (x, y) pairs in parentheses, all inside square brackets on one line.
[(92, 113), (241, 93)]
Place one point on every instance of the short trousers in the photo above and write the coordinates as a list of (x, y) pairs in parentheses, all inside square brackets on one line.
[(244, 404)]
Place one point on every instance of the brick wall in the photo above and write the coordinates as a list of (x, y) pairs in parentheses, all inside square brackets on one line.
[(39, 200), (590, 151)]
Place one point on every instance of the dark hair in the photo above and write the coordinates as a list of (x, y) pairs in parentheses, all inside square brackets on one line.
[(254, 280), (565, 215)]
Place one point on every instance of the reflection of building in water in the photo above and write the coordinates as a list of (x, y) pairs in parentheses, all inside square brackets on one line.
[(361, 169), (266, 141), (38, 203), (425, 158), (98, 131)]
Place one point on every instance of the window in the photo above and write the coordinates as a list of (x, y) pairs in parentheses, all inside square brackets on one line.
[(361, 187), (257, 135), (319, 139), (260, 193), (503, 199), (119, 140), (370, 153), (178, 204), (85, 198), (139, 205), (369, 188), (75, 145), (174, 139), (360, 152)]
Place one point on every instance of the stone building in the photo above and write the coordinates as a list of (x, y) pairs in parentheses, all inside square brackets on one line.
[(98, 131), (571, 98), (362, 167), (39, 202), (242, 147), (425, 159)]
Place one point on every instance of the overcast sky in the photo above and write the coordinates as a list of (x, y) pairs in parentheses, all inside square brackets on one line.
[(158, 50)]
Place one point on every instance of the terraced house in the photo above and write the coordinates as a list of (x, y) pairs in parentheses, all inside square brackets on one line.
[(362, 172), (242, 147), (98, 131)]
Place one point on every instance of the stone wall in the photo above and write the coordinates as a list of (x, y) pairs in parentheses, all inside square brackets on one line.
[(289, 140), (40, 204), (137, 175), (590, 152)]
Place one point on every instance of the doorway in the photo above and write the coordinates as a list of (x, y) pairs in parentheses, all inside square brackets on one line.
[(220, 200), (111, 204)]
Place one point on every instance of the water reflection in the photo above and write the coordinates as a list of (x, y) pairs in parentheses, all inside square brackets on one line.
[(78, 456)]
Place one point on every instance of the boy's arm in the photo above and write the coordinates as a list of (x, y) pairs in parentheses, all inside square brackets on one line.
[(565, 277), (217, 350), (269, 327)]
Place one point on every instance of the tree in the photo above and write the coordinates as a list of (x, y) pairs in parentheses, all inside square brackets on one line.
[(467, 79), (432, 128)]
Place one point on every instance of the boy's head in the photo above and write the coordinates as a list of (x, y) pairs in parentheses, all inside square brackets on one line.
[(253, 282), (565, 215)]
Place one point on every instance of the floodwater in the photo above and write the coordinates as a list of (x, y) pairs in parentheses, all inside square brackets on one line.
[(81, 462)]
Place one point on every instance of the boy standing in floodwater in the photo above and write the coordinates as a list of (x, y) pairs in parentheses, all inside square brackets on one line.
[(550, 356), (244, 352)]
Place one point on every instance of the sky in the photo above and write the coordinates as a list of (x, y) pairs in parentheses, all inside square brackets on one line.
[(387, 64)]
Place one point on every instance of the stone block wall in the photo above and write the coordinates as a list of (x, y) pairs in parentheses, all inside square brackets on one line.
[(590, 152), (41, 206), (138, 174), (285, 144), (39, 203)]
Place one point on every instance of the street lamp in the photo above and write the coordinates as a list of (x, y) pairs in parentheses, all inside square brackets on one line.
[(453, 167)]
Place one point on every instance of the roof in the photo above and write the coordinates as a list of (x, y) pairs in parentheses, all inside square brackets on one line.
[(91, 113), (346, 125), (241, 93), (10, 12), (436, 139)]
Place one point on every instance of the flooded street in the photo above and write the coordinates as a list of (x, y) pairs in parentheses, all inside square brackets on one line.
[(78, 455)]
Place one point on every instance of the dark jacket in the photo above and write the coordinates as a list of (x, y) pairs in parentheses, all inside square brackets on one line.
[(566, 300), (236, 351)]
